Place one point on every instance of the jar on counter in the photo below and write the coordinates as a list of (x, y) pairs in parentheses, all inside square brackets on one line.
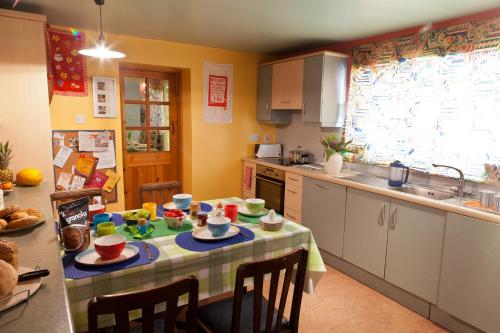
[(202, 219), (194, 208)]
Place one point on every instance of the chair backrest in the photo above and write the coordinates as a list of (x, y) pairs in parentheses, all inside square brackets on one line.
[(58, 198), (121, 304), (159, 192), (257, 270)]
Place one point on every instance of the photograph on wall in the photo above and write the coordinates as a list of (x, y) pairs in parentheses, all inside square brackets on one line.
[(218, 92), (104, 90)]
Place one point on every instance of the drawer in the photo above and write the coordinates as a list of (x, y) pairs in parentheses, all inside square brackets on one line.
[(293, 179), (292, 215), (293, 198)]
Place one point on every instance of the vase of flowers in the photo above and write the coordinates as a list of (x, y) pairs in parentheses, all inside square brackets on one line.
[(334, 150)]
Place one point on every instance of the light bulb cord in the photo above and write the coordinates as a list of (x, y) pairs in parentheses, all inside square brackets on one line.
[(101, 35)]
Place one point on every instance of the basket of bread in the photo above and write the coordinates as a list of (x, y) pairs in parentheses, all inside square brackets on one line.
[(15, 218)]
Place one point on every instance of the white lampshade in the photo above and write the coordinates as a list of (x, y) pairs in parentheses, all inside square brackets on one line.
[(101, 51)]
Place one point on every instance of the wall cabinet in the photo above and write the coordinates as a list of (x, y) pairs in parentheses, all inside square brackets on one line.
[(324, 90), (366, 224), (287, 81), (265, 113), (415, 248), (293, 197), (470, 275), (249, 188), (323, 211)]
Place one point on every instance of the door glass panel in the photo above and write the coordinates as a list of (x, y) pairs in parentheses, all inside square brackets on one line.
[(135, 115), (160, 140), (135, 88), (158, 90), (158, 115), (136, 140)]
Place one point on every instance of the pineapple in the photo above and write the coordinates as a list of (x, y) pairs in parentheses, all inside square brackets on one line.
[(6, 174)]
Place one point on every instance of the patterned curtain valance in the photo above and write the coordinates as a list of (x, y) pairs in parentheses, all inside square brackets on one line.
[(460, 38)]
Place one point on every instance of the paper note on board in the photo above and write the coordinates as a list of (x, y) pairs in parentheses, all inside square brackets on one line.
[(58, 135), (63, 181), (93, 141), (77, 183), (106, 158), (110, 184), (62, 156)]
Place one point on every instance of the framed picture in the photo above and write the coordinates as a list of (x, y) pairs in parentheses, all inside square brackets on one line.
[(104, 90)]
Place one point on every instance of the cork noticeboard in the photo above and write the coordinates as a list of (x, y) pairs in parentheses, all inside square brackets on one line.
[(70, 139)]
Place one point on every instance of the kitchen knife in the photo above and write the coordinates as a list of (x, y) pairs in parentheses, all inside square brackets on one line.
[(33, 275)]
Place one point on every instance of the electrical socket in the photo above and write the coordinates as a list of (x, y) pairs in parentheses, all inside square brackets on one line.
[(254, 138), (267, 138), (79, 119)]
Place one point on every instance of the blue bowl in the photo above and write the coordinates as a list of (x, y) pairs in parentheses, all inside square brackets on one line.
[(182, 200), (218, 226)]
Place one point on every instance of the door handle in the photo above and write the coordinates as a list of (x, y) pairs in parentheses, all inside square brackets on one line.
[(293, 192), (394, 218), (322, 186), (303, 108), (270, 181), (381, 215), (173, 128)]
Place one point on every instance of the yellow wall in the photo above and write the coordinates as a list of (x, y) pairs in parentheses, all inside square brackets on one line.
[(212, 153)]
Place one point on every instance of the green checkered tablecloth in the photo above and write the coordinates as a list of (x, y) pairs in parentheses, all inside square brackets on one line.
[(216, 269)]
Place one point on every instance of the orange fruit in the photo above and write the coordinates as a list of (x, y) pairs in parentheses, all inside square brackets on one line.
[(7, 186)]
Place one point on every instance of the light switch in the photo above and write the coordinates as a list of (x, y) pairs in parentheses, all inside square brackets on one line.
[(79, 119), (254, 137)]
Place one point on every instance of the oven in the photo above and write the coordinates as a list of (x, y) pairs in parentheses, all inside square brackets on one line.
[(270, 186)]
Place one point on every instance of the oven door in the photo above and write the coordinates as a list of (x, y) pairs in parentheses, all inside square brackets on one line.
[(272, 191)]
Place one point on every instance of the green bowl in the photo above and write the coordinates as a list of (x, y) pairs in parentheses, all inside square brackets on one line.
[(255, 205)]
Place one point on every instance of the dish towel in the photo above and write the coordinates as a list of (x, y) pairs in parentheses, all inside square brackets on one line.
[(247, 177)]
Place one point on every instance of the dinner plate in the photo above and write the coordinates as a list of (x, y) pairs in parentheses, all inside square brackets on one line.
[(204, 234), (244, 211), (205, 207), (27, 227), (91, 258), (19, 293)]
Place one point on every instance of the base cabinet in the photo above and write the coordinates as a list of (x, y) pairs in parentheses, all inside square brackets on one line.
[(470, 276), (366, 226), (414, 248), (323, 211)]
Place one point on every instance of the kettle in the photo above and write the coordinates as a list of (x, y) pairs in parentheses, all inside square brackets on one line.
[(397, 174)]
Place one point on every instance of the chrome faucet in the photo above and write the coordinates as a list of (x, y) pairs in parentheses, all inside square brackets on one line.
[(461, 180)]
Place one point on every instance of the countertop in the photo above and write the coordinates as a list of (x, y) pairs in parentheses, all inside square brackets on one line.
[(48, 310), (375, 185)]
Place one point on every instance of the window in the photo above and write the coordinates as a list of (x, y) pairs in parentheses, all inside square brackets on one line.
[(429, 98)]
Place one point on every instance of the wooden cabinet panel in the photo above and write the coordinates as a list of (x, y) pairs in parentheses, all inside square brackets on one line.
[(294, 180), (323, 211), (293, 215), (293, 197), (470, 275), (287, 84), (365, 237), (414, 248)]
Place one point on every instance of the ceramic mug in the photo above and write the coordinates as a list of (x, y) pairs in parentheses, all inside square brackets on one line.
[(231, 212), (100, 218), (105, 229)]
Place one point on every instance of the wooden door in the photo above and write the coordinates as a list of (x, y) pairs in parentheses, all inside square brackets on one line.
[(323, 211), (150, 127), (415, 248), (365, 236)]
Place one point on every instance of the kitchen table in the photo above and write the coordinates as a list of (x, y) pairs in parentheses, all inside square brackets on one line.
[(215, 269)]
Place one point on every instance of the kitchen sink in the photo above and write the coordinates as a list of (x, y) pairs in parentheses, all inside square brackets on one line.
[(425, 192)]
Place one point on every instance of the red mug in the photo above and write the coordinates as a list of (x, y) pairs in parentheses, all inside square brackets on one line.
[(231, 212), (95, 209)]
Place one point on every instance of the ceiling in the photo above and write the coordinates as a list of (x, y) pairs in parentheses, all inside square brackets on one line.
[(265, 26)]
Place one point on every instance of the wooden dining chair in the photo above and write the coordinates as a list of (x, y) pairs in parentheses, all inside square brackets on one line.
[(250, 311), (121, 304), (159, 192), (58, 198)]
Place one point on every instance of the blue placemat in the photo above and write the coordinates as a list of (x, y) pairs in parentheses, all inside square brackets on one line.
[(186, 241), (73, 270)]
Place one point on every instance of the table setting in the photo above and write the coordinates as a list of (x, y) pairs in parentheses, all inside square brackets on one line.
[(207, 239)]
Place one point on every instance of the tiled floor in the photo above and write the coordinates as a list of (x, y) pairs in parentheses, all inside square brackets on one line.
[(342, 304)]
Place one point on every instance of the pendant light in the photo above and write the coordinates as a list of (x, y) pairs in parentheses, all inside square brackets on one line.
[(100, 50)]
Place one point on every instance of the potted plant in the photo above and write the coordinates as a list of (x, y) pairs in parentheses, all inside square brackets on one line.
[(334, 150)]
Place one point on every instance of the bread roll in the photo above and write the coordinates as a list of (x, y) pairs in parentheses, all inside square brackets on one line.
[(9, 210), (18, 215), (34, 212), (25, 221), (3, 224), (8, 278), (8, 253)]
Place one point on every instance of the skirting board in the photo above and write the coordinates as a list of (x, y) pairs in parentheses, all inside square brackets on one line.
[(410, 301)]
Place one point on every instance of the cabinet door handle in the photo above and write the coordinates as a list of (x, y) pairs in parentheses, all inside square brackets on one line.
[(303, 108), (321, 186), (295, 180), (293, 192), (394, 218), (381, 215), (285, 102)]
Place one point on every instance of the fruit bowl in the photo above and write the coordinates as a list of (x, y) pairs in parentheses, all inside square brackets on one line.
[(131, 217), (174, 218)]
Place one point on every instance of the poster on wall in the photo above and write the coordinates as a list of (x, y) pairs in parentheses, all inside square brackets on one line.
[(218, 92), (65, 66), (104, 90)]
